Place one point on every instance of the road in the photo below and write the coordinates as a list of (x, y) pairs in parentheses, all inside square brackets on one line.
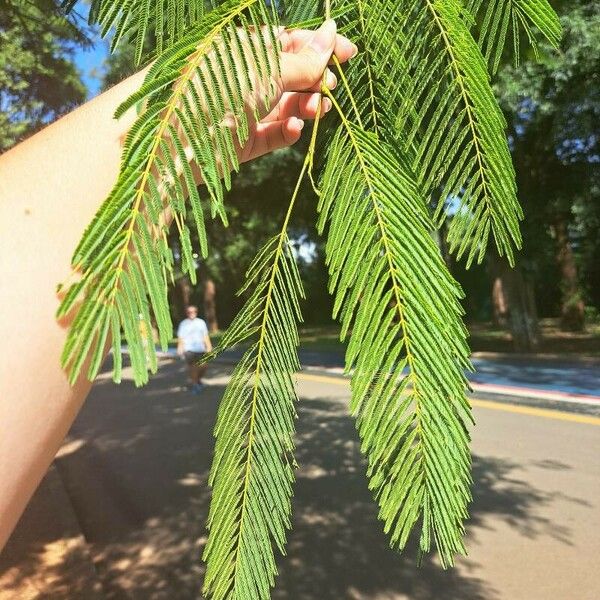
[(135, 470)]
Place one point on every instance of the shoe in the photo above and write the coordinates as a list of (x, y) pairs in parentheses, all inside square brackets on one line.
[(197, 388)]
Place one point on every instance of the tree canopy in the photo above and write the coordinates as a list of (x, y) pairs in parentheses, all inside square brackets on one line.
[(38, 79)]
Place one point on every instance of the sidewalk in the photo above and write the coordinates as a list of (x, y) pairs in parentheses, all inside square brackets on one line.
[(550, 378), (47, 556)]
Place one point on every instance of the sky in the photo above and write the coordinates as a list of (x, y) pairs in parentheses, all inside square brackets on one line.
[(90, 62), (91, 65)]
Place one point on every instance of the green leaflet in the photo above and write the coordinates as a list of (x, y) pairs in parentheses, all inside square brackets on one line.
[(418, 121), (128, 234), (394, 292), (252, 471), (503, 17), (452, 121), (302, 10), (421, 82)]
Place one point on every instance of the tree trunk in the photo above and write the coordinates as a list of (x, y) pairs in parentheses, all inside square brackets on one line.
[(523, 313), (441, 235), (516, 301), (573, 308), (500, 306), (499, 303), (185, 293), (210, 306)]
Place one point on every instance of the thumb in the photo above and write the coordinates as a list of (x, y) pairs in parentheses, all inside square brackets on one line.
[(304, 69)]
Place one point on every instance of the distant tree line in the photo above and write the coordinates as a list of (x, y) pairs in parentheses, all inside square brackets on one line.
[(552, 108)]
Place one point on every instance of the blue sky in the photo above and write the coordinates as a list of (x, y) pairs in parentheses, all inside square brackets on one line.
[(91, 65), (90, 62)]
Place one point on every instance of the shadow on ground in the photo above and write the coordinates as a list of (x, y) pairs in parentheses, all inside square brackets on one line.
[(136, 466)]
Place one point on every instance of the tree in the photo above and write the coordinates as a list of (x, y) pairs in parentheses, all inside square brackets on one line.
[(553, 111), (38, 81), (416, 118)]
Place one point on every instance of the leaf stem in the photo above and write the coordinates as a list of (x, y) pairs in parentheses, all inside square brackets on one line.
[(336, 62)]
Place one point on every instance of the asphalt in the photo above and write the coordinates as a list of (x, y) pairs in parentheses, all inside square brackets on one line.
[(130, 515), (495, 373)]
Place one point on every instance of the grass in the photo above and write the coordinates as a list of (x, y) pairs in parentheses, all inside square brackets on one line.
[(325, 338), (320, 339), (487, 338), (484, 337)]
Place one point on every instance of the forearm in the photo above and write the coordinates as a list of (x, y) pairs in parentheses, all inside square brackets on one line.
[(50, 187)]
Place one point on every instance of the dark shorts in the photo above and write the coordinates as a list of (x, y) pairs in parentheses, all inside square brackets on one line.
[(193, 357)]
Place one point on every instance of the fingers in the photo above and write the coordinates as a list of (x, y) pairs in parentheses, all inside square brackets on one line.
[(330, 80), (298, 104), (274, 135), (302, 70), (293, 41)]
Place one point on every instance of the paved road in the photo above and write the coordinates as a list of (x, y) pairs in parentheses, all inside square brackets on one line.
[(136, 464), (501, 373)]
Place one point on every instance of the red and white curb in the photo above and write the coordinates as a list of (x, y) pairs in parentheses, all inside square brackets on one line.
[(505, 390)]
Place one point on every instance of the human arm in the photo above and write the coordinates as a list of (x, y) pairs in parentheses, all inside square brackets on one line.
[(50, 188), (207, 343)]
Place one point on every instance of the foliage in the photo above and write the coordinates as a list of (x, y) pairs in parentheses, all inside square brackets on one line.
[(38, 81), (553, 108), (118, 295), (416, 122), (402, 306), (254, 212), (254, 429), (535, 17)]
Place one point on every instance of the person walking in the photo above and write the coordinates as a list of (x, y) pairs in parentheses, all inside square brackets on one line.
[(193, 342)]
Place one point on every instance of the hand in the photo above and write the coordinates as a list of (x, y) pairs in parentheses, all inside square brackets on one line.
[(304, 59), (295, 94)]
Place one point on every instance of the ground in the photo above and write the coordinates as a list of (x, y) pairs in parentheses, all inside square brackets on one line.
[(134, 471), (485, 337)]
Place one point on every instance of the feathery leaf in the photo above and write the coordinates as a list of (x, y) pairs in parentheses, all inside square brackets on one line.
[(168, 20), (393, 291), (453, 121), (184, 121), (252, 471), (503, 17)]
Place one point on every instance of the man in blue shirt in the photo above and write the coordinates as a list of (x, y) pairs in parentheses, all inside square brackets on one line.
[(193, 342)]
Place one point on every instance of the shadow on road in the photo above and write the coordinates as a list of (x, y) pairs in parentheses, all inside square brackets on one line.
[(136, 468)]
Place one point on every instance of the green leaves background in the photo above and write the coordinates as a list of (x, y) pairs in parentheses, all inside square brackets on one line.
[(417, 139)]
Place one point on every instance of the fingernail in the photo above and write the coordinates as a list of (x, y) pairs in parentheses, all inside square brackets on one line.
[(296, 122), (330, 79), (324, 38), (355, 51), (327, 105)]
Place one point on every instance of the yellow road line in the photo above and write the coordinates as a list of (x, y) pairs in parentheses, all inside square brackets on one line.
[(487, 404)]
